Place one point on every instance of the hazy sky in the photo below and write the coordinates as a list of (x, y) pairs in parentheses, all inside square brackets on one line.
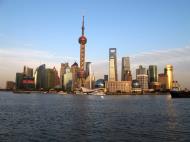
[(33, 32)]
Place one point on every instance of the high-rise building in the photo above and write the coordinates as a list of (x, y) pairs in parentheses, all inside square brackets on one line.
[(49, 79), (152, 73), (169, 72), (87, 68), (89, 77), (28, 83), (19, 79), (40, 77), (105, 77), (56, 78), (28, 71), (75, 73), (68, 79), (62, 72), (141, 70), (125, 69), (112, 64), (163, 79), (142, 77), (143, 81)]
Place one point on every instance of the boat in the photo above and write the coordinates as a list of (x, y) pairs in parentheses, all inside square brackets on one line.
[(180, 94)]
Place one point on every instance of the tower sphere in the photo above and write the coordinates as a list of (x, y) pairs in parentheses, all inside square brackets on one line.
[(82, 40)]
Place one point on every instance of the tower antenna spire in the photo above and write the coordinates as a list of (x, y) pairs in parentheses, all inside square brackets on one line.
[(83, 25)]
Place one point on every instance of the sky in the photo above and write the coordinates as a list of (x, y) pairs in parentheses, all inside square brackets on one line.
[(33, 32)]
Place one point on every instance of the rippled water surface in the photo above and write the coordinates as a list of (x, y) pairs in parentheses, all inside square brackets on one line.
[(38, 117)]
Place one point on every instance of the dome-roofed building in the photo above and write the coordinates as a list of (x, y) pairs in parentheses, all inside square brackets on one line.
[(100, 83)]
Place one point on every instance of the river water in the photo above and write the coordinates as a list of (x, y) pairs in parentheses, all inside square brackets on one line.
[(39, 117)]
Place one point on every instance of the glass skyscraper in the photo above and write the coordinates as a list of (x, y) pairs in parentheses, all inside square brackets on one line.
[(112, 64), (125, 69), (152, 73), (169, 72)]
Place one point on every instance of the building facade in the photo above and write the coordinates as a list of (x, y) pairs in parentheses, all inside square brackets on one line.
[(62, 72), (112, 64), (143, 81), (88, 68), (68, 79), (169, 72), (152, 73), (163, 81), (105, 77), (40, 77), (118, 86), (141, 70), (28, 71), (125, 69), (10, 85), (19, 79), (49, 79)]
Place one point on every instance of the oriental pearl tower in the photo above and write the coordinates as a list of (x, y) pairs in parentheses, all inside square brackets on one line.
[(82, 41)]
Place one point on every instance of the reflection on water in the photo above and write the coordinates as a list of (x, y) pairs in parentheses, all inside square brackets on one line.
[(37, 117)]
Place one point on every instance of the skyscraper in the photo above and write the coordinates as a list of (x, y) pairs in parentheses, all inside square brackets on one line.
[(68, 79), (169, 72), (49, 79), (152, 73), (88, 68), (142, 77), (62, 72), (28, 71), (125, 69), (19, 78), (40, 77), (112, 64), (141, 70), (75, 71)]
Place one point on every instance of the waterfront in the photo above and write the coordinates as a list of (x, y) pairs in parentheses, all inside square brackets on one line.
[(39, 117)]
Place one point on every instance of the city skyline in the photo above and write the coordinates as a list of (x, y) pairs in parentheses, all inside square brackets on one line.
[(16, 51)]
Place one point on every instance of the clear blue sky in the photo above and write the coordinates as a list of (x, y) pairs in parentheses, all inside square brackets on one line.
[(131, 26)]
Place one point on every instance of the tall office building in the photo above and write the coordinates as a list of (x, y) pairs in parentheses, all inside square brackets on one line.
[(152, 73), (125, 69), (87, 68), (141, 70), (19, 79), (112, 64), (68, 79), (105, 77), (89, 77), (49, 79), (28, 71), (40, 77), (57, 79), (169, 72), (75, 73), (62, 72), (143, 81), (163, 79)]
